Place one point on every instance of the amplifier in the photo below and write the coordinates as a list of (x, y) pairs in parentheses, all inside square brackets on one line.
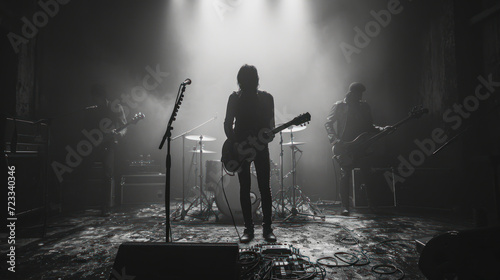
[(25, 146), (143, 189)]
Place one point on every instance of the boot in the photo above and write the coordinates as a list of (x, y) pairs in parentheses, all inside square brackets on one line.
[(268, 234), (247, 235)]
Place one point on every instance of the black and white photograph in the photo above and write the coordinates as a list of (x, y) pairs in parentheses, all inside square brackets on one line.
[(250, 139)]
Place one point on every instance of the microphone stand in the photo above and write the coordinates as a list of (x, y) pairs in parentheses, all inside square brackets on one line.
[(167, 136)]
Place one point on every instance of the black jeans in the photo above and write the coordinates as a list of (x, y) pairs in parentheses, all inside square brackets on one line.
[(262, 167), (108, 164), (345, 179)]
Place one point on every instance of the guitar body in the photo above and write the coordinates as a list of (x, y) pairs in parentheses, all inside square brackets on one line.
[(111, 138), (231, 159), (347, 152), (235, 154)]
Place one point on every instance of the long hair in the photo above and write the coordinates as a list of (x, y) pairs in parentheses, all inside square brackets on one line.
[(248, 78)]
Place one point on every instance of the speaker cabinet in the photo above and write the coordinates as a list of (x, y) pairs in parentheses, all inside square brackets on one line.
[(149, 261), (142, 189), (30, 189)]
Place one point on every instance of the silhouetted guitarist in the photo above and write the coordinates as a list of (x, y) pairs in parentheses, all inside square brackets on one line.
[(105, 118), (252, 112)]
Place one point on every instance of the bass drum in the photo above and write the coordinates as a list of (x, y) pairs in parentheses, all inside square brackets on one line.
[(232, 189), (212, 174)]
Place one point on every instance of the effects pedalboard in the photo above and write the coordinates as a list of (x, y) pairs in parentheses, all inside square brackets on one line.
[(275, 261)]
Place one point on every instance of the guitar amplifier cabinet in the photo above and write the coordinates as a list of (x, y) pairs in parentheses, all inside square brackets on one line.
[(143, 189), (25, 146), (359, 193)]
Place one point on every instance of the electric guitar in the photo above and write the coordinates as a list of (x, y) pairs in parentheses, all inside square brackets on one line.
[(112, 137), (346, 153), (235, 154)]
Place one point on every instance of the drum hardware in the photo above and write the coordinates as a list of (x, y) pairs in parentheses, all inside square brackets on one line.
[(181, 212), (281, 193), (202, 151), (293, 143), (294, 128), (203, 200), (205, 138), (294, 194)]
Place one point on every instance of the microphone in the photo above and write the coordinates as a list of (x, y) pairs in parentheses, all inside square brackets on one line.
[(186, 82), (91, 107)]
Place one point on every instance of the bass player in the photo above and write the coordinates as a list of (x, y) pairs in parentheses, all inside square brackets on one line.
[(348, 119)]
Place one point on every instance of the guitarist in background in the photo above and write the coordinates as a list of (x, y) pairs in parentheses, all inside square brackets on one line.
[(348, 119), (98, 114), (252, 111)]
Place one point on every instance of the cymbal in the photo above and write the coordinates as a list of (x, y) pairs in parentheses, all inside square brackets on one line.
[(293, 144), (204, 151), (294, 128), (203, 137)]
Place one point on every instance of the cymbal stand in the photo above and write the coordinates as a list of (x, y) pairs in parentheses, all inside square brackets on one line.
[(203, 214), (201, 174), (183, 211), (281, 199), (304, 199)]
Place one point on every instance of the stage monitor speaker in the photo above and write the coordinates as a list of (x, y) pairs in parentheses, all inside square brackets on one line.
[(468, 254), (150, 261)]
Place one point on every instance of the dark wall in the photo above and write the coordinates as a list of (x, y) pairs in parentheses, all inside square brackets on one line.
[(431, 184), (478, 54)]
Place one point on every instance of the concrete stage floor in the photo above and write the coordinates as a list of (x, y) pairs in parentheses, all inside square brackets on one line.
[(84, 245)]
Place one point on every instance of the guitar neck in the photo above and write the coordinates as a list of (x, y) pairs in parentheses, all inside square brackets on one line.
[(303, 118), (401, 122), (122, 127), (281, 127), (384, 132)]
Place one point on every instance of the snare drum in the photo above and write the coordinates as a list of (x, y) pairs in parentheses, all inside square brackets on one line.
[(232, 189)]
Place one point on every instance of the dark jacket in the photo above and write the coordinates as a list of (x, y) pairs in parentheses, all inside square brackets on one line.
[(250, 113), (346, 121)]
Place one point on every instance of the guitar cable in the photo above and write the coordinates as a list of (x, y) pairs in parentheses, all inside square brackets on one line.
[(222, 169)]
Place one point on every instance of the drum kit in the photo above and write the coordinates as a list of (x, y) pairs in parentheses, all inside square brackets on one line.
[(224, 190)]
